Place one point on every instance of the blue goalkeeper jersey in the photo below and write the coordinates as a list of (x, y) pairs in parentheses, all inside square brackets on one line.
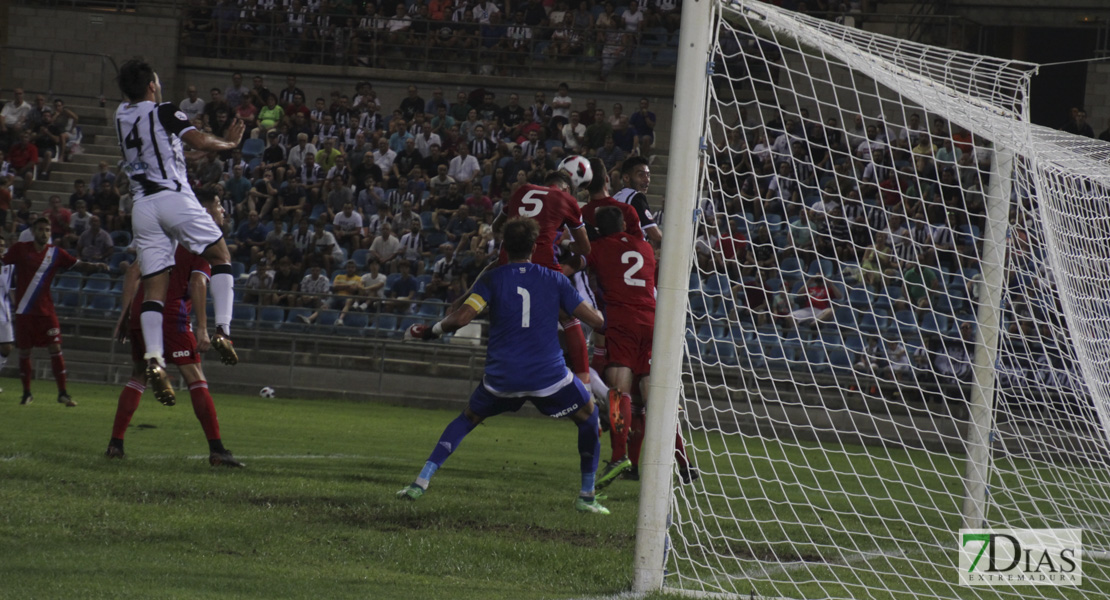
[(524, 357)]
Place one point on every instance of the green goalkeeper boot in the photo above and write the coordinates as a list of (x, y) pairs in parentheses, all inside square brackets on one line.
[(411, 492)]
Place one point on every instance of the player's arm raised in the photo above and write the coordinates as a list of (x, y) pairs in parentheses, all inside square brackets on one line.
[(580, 243), (453, 322), (199, 140)]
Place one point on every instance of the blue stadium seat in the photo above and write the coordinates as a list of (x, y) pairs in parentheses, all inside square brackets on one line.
[(665, 58), (641, 56), (422, 281), (253, 148), (390, 280), (386, 325), (116, 260), (326, 320), (271, 316), (292, 320), (68, 281), (67, 302), (360, 257), (237, 269), (431, 309), (98, 282), (243, 315), (121, 237), (317, 210), (354, 323)]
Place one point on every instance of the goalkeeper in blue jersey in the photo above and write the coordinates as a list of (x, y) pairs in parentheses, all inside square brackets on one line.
[(524, 361)]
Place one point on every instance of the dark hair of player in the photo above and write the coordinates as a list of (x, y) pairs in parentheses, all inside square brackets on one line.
[(609, 220), (41, 220), (206, 197), (598, 182), (631, 163), (520, 236), (555, 176), (134, 78)]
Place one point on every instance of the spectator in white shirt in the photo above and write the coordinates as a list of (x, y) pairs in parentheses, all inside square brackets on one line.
[(193, 107), (464, 167)]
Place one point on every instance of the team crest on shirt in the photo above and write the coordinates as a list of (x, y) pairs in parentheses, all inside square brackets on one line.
[(522, 269), (181, 116)]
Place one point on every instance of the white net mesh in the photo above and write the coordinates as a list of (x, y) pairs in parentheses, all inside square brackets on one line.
[(861, 247)]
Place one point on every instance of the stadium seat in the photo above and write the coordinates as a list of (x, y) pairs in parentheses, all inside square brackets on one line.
[(431, 309), (121, 237), (905, 321), (68, 281), (435, 238), (665, 58), (354, 323), (390, 280), (243, 315), (102, 305), (326, 321), (252, 148), (317, 210), (422, 281), (641, 56), (67, 302), (271, 316), (292, 320), (237, 269), (361, 256), (98, 282), (386, 325), (817, 357), (116, 260), (552, 144)]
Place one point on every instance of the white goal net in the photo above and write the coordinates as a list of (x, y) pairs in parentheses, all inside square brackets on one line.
[(898, 319)]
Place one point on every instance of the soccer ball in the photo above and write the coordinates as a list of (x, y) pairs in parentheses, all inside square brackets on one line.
[(266, 392), (578, 167)]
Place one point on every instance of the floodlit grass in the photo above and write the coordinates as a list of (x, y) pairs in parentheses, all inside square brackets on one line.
[(312, 516)]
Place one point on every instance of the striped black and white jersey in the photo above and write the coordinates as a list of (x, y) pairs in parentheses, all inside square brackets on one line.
[(6, 274), (150, 139), (638, 201)]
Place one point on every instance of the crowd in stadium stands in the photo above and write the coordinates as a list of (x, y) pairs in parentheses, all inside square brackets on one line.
[(370, 208), (490, 36), (874, 216)]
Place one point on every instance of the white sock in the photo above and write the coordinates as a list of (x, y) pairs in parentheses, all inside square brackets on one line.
[(152, 333), (597, 386), (223, 297), (3, 361)]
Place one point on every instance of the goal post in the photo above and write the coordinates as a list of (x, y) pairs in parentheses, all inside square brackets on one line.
[(883, 316), (672, 285)]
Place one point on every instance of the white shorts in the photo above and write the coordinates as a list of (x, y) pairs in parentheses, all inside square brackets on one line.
[(6, 334), (163, 220)]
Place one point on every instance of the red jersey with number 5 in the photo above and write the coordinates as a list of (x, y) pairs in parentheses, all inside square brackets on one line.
[(551, 209), (625, 269)]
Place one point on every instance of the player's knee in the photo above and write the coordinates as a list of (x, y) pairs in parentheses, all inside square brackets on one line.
[(474, 418)]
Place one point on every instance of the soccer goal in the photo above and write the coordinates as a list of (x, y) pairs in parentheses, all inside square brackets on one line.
[(884, 316)]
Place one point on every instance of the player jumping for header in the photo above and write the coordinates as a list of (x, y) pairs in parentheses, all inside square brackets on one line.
[(166, 212)]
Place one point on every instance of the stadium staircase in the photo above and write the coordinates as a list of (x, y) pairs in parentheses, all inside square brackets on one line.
[(99, 144)]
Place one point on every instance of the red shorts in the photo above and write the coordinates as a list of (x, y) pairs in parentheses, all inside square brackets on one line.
[(179, 347), (37, 331), (629, 345)]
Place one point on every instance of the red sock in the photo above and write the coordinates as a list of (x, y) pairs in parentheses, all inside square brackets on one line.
[(204, 409), (636, 435), (128, 401), (619, 439), (58, 365), (680, 450), (25, 372), (576, 347), (600, 359)]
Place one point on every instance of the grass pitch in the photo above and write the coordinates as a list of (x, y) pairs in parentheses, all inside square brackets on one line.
[(312, 516)]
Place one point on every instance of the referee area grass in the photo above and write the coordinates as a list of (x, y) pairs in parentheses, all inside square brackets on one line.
[(313, 515)]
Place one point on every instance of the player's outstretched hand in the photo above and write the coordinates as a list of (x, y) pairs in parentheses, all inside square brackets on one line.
[(235, 131), (419, 332)]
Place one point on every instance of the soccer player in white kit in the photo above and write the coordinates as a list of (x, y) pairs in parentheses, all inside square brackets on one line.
[(152, 135)]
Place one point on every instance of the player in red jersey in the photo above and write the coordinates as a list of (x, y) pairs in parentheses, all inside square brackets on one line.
[(552, 206), (624, 265), (599, 189), (36, 323), (187, 293)]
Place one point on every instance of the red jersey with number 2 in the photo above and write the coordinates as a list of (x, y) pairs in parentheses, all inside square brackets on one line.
[(625, 269), (551, 209)]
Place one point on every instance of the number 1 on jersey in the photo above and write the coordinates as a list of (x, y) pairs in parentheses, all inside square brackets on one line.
[(525, 308)]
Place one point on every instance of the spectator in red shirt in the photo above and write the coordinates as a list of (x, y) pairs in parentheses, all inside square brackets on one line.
[(59, 217), (24, 156), (818, 308)]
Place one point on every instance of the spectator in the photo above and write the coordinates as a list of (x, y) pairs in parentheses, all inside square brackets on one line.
[(79, 222), (372, 286), (643, 122), (345, 289), (818, 307), (263, 196), (109, 206), (16, 112), (598, 130), (464, 167), (297, 153), (413, 248), (286, 283), (95, 245), (348, 228), (324, 246), (404, 291), (59, 218), (80, 192), (260, 280), (24, 159), (611, 154), (317, 285), (237, 191), (412, 103), (273, 157), (386, 247), (251, 239)]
